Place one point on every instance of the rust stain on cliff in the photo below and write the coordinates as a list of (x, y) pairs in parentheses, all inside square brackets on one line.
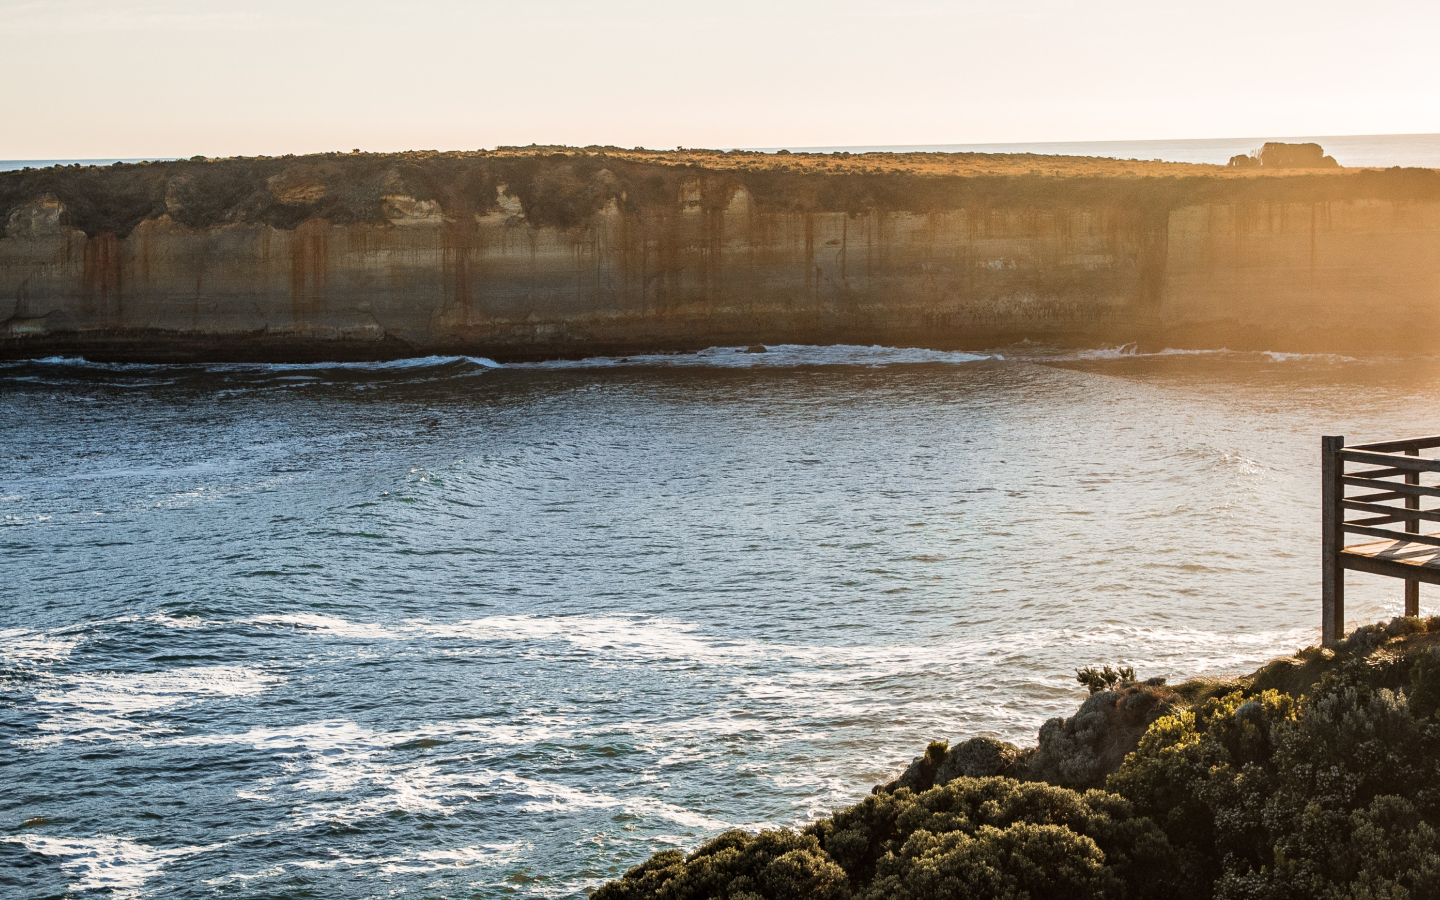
[(309, 266), (100, 279), (458, 245)]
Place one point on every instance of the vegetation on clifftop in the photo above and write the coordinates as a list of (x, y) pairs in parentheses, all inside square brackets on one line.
[(1316, 777), (563, 187)]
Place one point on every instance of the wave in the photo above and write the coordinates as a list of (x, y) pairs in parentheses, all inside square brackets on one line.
[(354, 773), (243, 377), (656, 638), (418, 362), (21, 647), (409, 862), (776, 356), (111, 706), (1132, 351), (116, 865)]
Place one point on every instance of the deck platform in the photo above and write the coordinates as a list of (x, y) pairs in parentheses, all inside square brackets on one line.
[(1390, 479), (1405, 559)]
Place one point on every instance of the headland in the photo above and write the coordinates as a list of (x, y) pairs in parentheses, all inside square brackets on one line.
[(539, 252)]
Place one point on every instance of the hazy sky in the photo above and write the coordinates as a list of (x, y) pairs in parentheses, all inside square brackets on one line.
[(86, 78)]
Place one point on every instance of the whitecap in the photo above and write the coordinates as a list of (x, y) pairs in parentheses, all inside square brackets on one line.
[(775, 356), (107, 863), (21, 647), (111, 706)]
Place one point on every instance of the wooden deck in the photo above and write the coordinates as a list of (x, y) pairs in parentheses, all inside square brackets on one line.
[(1405, 559), (1389, 477)]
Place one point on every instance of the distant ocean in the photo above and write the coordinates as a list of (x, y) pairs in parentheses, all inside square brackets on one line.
[(1350, 150)]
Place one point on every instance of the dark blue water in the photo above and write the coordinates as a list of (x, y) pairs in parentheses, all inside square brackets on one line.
[(464, 631)]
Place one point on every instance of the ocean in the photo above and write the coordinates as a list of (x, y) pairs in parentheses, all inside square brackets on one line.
[(1358, 150), (446, 628)]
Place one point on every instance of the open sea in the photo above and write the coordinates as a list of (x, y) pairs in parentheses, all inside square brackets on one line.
[(442, 628)]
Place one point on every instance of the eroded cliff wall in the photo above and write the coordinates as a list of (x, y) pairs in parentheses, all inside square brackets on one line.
[(546, 254)]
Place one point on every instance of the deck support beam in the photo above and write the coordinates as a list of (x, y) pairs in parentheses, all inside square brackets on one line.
[(1332, 579), (1412, 586)]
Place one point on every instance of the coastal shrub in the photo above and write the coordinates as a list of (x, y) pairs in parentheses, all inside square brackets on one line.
[(920, 774), (1203, 776), (1273, 800), (1234, 791), (773, 865), (996, 837), (1080, 751), (1356, 803), (1105, 679), (981, 757)]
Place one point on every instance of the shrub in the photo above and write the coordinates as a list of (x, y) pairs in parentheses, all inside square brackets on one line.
[(775, 865), (1330, 791), (1105, 679)]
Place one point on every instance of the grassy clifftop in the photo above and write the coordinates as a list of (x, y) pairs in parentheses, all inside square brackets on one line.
[(1317, 776), (562, 187)]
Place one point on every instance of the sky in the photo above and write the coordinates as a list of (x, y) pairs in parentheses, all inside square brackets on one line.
[(161, 78)]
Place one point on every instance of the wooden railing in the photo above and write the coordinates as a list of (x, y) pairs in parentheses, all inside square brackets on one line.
[(1398, 551)]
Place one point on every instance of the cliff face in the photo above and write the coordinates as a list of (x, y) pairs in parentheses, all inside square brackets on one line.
[(533, 254)]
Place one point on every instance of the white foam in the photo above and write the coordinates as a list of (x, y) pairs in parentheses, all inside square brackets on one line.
[(344, 760), (112, 706), (776, 356), (1132, 351), (107, 863), (330, 625), (419, 362), (822, 668), (21, 647)]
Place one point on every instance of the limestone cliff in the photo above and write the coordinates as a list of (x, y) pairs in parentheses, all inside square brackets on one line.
[(540, 252)]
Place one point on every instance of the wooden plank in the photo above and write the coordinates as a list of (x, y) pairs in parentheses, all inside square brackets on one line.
[(1424, 443), (1376, 498), (1403, 550), (1390, 568), (1399, 514), (1394, 461), (1430, 539), (1372, 521), (1393, 487), (1378, 473)]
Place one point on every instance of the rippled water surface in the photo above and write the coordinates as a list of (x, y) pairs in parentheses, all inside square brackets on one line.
[(464, 631)]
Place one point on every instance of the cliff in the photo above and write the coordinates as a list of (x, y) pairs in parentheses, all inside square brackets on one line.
[(538, 252)]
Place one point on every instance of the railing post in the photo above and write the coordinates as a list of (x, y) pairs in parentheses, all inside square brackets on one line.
[(1412, 586), (1332, 539)]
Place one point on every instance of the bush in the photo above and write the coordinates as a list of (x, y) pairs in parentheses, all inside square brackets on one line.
[(1332, 791), (1105, 679), (775, 865)]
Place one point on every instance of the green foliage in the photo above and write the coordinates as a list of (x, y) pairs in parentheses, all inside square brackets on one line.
[(1105, 679), (1340, 798), (1253, 795), (776, 865)]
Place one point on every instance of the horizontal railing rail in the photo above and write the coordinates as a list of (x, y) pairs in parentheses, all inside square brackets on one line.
[(1397, 464), (1425, 443)]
